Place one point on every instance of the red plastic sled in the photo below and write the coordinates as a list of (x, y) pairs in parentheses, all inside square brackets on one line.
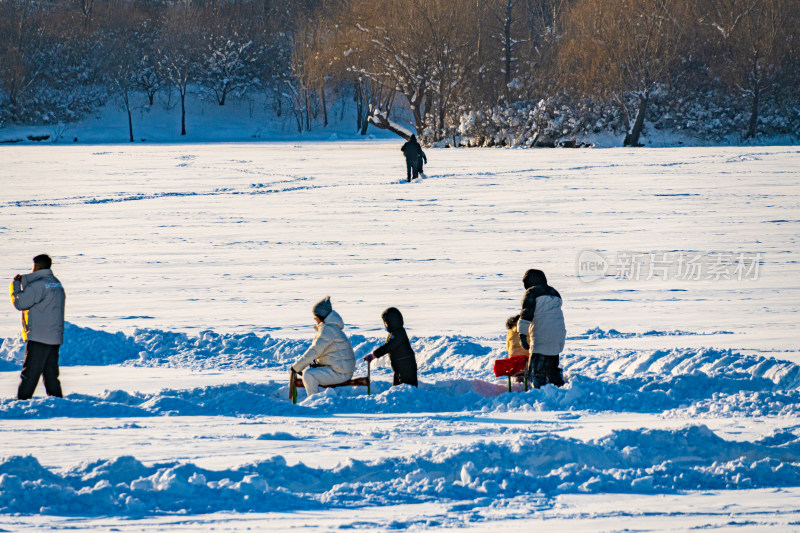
[(510, 366)]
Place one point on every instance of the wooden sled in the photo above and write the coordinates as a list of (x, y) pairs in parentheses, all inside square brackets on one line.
[(297, 383)]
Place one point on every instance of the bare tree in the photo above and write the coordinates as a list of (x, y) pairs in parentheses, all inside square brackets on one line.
[(19, 44), (150, 71), (506, 17), (180, 50), (752, 39), (621, 49), (418, 48), (122, 60)]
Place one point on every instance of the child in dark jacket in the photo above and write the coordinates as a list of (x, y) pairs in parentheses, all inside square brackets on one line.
[(397, 345)]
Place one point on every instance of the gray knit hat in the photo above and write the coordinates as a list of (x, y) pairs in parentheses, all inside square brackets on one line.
[(323, 307)]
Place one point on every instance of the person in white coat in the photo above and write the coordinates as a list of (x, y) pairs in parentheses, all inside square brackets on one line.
[(330, 358), (541, 329)]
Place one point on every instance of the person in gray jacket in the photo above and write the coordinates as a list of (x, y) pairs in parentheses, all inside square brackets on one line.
[(541, 329), (330, 358), (41, 298)]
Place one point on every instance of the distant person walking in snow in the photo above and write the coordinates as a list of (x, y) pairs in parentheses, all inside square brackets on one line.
[(330, 358), (41, 298), (413, 152), (397, 345), (541, 329)]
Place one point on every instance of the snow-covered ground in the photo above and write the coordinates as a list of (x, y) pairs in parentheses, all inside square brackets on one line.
[(191, 271)]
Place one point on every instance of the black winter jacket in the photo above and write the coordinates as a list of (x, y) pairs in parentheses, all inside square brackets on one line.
[(401, 355), (413, 151)]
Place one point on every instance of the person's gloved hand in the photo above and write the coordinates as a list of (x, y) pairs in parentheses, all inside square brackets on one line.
[(524, 340), (295, 372), (369, 357)]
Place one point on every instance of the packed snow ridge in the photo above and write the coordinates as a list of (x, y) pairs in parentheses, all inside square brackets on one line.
[(650, 461), (455, 373), (454, 355)]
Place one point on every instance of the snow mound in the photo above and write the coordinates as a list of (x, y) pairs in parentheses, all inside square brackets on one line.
[(454, 355), (695, 395), (646, 364), (599, 333), (626, 461), (455, 374)]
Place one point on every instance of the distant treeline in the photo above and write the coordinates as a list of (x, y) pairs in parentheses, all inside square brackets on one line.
[(474, 72)]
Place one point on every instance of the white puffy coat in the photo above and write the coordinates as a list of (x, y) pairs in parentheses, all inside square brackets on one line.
[(330, 347)]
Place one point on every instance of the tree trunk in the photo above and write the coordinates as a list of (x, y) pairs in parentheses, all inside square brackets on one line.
[(418, 120), (441, 117), (363, 109), (14, 106), (751, 131), (755, 84), (130, 124), (359, 104), (308, 117), (324, 108), (428, 105), (364, 124), (128, 109), (299, 121), (632, 138), (315, 104), (508, 43), (183, 110), (383, 123)]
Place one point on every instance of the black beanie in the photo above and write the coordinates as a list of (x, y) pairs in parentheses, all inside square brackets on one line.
[(534, 277)]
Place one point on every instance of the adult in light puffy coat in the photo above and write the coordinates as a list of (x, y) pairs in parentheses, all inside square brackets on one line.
[(330, 358), (541, 329), (41, 298)]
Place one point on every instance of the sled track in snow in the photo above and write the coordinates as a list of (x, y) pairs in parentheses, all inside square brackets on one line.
[(254, 189)]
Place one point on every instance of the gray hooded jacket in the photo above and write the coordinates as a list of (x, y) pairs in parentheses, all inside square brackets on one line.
[(330, 347), (41, 299)]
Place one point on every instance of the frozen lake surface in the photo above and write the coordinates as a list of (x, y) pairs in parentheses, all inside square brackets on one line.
[(679, 273)]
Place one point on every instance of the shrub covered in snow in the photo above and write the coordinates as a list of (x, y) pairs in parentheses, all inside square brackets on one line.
[(709, 115), (547, 122)]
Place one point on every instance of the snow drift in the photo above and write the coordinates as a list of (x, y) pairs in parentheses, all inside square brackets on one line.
[(626, 461), (455, 355), (455, 375), (693, 395)]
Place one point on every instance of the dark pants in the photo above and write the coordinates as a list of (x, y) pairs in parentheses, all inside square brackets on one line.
[(412, 167), (40, 360), (405, 371), (544, 369), (400, 379)]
